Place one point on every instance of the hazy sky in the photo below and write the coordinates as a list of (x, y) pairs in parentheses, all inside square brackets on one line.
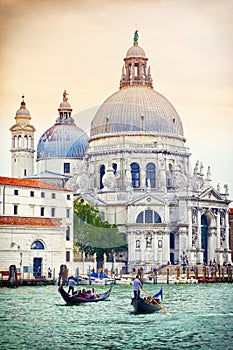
[(47, 46)]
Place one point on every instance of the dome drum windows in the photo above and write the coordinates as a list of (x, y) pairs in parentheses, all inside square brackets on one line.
[(135, 175), (150, 175), (101, 174)]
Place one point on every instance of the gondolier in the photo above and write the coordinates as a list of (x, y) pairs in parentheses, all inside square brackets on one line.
[(137, 284), (71, 283)]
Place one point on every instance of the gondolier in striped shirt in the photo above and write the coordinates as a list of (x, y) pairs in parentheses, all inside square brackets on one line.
[(137, 284)]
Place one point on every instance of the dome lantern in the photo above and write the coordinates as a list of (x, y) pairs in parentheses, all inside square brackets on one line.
[(135, 72), (64, 110)]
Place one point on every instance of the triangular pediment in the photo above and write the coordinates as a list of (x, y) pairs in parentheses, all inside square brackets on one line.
[(211, 194), (88, 198), (146, 199)]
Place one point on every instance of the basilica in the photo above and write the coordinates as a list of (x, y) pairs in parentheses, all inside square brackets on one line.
[(136, 169)]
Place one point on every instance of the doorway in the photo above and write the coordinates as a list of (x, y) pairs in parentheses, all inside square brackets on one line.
[(37, 264)]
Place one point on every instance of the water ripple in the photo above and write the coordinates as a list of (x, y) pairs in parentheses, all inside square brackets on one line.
[(36, 318)]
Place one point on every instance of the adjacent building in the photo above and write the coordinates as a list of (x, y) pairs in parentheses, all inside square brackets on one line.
[(36, 226)]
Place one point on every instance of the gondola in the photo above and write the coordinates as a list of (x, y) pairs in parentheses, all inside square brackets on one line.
[(75, 300), (147, 305)]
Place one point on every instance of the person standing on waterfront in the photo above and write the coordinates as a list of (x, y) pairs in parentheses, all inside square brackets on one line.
[(49, 273), (137, 284), (71, 283)]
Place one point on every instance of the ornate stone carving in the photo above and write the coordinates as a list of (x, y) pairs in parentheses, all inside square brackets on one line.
[(194, 216), (109, 181)]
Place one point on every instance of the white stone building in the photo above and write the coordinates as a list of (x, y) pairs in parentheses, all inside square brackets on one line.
[(136, 169), (36, 227)]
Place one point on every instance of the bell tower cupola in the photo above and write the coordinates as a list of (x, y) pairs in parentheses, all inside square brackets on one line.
[(22, 143)]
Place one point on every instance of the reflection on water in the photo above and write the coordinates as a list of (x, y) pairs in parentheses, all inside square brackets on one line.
[(36, 318)]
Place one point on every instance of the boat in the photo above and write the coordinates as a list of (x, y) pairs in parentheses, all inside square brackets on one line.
[(90, 280), (147, 305), (74, 299), (160, 279), (123, 281)]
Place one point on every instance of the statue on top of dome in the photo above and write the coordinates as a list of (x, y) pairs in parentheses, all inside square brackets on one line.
[(65, 98), (135, 37)]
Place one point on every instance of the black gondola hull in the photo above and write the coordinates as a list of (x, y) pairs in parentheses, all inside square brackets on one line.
[(74, 300), (141, 306)]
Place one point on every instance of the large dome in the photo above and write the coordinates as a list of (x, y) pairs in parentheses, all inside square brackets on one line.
[(137, 108)]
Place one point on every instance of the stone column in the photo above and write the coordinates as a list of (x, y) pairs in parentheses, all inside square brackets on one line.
[(200, 251), (143, 246), (227, 230), (199, 228), (189, 228), (130, 246), (218, 230)]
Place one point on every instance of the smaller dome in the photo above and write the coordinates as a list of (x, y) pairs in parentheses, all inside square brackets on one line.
[(23, 111), (64, 105), (62, 141), (135, 51)]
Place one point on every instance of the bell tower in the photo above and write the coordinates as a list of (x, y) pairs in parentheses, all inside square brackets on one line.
[(22, 143)]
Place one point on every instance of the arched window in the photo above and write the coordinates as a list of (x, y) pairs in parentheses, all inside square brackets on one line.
[(135, 173), (148, 217), (26, 142), (102, 172), (15, 142), (150, 175), (30, 142), (19, 141), (68, 233), (37, 245)]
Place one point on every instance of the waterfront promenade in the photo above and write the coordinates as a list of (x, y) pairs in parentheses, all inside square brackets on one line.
[(166, 275)]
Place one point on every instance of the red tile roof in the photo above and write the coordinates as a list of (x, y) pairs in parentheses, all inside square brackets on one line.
[(29, 221), (11, 181)]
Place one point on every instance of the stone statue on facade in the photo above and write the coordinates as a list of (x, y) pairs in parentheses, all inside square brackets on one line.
[(65, 98)]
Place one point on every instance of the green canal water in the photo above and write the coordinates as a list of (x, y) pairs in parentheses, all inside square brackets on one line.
[(36, 318)]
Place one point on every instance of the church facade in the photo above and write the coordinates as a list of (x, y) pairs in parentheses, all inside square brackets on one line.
[(136, 169)]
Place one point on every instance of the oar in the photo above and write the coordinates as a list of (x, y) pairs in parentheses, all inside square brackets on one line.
[(161, 307)]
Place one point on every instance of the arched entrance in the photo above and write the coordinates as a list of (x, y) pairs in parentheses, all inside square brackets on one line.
[(204, 237), (37, 262)]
